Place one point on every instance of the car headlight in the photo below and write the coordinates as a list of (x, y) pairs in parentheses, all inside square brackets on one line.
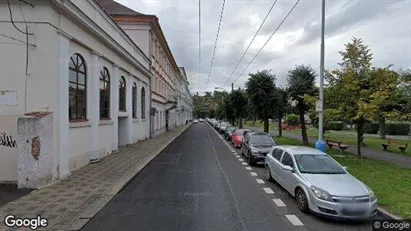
[(373, 197), (321, 194)]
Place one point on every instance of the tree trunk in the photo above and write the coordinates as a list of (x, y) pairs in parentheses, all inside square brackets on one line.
[(280, 130), (241, 123), (303, 128), (266, 124), (359, 127), (381, 121)]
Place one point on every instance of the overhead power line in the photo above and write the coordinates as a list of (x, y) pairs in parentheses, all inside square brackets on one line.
[(199, 42), (281, 23), (215, 43), (252, 40)]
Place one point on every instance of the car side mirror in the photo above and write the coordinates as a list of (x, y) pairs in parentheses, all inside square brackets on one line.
[(345, 167), (288, 168)]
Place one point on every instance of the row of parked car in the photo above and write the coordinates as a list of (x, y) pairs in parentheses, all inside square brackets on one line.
[(319, 183)]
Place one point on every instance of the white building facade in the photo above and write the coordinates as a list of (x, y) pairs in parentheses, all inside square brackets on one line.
[(146, 32), (184, 110), (84, 71)]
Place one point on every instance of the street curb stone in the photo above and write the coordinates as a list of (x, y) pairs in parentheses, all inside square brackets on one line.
[(387, 215), (85, 216)]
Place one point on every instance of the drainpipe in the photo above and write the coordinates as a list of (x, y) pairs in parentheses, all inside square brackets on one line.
[(149, 111)]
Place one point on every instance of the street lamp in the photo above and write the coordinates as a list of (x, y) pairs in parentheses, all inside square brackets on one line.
[(320, 144)]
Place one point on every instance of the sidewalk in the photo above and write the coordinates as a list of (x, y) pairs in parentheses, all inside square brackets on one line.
[(403, 161), (70, 203)]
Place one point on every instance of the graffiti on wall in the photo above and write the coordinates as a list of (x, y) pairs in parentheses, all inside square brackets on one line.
[(7, 140)]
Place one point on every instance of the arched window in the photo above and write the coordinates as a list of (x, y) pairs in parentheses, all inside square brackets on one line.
[(134, 100), (104, 94), (122, 94), (143, 103), (77, 88)]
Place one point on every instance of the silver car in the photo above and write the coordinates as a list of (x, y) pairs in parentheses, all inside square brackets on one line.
[(319, 183)]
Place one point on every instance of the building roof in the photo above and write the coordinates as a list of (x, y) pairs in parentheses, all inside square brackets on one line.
[(112, 7)]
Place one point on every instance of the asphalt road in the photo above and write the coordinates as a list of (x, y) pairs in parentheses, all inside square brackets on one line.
[(200, 182)]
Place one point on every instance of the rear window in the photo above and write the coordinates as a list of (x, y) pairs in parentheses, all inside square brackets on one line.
[(240, 132)]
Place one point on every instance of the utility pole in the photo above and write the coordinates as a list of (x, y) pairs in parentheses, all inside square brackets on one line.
[(232, 87), (320, 145)]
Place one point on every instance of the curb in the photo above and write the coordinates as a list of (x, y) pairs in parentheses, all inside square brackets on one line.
[(387, 215), (85, 216)]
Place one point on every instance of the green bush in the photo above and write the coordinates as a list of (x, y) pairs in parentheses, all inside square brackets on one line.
[(336, 126), (371, 128), (397, 129), (292, 119)]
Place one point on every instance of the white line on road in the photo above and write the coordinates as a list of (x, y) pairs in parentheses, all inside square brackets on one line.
[(240, 159), (253, 173), (294, 220), (260, 181), (279, 202), (268, 190), (248, 168), (244, 163), (237, 156)]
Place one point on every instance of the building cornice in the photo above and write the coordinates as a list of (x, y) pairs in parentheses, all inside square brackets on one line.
[(70, 9), (152, 20)]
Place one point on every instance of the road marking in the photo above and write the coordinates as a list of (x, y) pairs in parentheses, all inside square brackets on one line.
[(260, 181), (237, 156), (244, 163), (268, 190), (233, 151), (240, 159), (253, 173), (294, 220), (248, 168), (279, 202)]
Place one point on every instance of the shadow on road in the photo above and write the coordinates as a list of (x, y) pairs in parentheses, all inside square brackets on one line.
[(10, 192)]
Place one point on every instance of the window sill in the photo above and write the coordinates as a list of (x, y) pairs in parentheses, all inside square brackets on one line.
[(135, 120), (123, 114), (79, 124), (143, 120), (105, 122)]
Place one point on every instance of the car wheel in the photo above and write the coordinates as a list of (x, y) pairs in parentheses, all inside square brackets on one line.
[(250, 160), (268, 173), (302, 201)]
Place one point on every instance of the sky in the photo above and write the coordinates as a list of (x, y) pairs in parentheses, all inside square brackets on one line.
[(384, 25)]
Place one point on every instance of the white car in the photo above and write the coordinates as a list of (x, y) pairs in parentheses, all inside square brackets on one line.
[(201, 120), (319, 183), (195, 121)]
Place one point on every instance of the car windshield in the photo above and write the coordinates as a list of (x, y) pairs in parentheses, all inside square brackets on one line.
[(240, 132), (261, 140), (230, 129), (224, 124), (317, 164)]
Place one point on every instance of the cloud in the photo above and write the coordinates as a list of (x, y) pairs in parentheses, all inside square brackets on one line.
[(384, 25)]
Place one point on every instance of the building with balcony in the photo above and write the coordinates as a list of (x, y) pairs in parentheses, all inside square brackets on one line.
[(146, 32), (74, 87)]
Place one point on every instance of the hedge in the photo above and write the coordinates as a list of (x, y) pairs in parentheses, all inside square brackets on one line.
[(397, 129), (371, 128), (336, 126), (292, 119)]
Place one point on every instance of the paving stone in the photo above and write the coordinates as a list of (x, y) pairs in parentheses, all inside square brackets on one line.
[(63, 202)]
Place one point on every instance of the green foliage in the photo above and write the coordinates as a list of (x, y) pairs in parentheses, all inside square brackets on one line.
[(301, 82), (239, 102), (260, 90), (371, 128), (398, 129), (292, 119), (336, 125)]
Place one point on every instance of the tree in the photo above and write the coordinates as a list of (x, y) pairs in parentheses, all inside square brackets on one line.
[(383, 83), (228, 108), (301, 81), (281, 106), (351, 86), (261, 93), (239, 103)]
